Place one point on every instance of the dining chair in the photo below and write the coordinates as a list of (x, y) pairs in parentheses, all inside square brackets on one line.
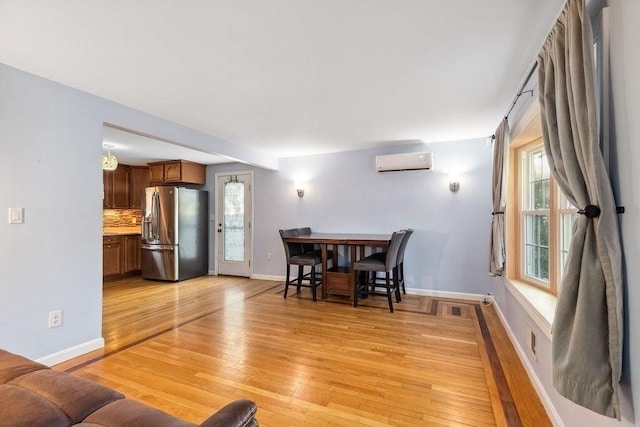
[(311, 247), (374, 264), (308, 247), (295, 255), (399, 270)]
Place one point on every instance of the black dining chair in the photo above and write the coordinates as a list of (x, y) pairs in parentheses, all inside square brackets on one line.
[(374, 264), (295, 255), (308, 247), (399, 270), (311, 247)]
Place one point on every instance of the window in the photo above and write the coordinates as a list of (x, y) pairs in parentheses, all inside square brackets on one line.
[(536, 199), (544, 219)]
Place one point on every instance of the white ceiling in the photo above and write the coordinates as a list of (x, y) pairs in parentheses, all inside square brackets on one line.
[(138, 150), (290, 77)]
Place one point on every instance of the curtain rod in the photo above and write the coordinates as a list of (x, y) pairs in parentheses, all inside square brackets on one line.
[(521, 91)]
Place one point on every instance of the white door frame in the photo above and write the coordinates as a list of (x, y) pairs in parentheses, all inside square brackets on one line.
[(218, 215)]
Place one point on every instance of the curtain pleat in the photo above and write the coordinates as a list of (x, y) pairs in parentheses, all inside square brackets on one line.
[(497, 252), (587, 328)]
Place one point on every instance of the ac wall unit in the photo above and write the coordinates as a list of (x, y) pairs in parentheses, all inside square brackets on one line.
[(404, 162)]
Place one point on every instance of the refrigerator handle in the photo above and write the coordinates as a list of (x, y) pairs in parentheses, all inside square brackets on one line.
[(158, 248), (155, 214)]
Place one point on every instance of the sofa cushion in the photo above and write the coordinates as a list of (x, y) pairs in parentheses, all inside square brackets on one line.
[(239, 413), (12, 366), (23, 408), (76, 396), (128, 412)]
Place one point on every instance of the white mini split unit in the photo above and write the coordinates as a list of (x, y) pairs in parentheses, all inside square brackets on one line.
[(404, 162)]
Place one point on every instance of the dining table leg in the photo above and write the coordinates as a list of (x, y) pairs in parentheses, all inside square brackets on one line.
[(324, 270), (352, 258)]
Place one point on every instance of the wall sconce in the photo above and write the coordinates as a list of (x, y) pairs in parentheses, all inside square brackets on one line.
[(454, 185), (300, 191)]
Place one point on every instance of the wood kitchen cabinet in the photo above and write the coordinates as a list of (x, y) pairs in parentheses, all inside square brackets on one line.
[(111, 256), (123, 187), (120, 256), (176, 172), (139, 181), (131, 253), (116, 188)]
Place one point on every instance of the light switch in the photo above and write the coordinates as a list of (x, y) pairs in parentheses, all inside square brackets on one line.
[(16, 215)]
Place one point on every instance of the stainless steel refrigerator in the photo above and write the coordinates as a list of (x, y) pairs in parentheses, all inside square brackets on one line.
[(174, 233)]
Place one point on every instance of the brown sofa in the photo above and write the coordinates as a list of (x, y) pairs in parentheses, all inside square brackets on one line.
[(33, 395)]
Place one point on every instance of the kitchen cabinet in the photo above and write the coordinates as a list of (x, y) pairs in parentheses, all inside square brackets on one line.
[(111, 256), (123, 187), (131, 261), (176, 172), (120, 256), (139, 181), (116, 188)]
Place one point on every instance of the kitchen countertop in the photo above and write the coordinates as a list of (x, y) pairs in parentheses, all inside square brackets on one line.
[(120, 231)]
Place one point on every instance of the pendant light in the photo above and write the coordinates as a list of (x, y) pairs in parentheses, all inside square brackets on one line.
[(109, 162)]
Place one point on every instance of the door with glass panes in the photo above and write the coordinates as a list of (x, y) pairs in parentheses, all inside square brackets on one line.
[(234, 213)]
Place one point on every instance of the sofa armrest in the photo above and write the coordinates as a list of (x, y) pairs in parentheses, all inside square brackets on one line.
[(239, 413)]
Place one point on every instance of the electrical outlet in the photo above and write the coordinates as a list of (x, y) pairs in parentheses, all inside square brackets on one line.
[(55, 318), (268, 256), (531, 342)]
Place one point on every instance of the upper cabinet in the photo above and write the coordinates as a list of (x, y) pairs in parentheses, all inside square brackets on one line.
[(123, 187), (176, 172), (139, 181), (116, 188)]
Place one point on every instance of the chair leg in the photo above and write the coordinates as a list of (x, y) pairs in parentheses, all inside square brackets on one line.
[(286, 284), (363, 283), (300, 274), (313, 282), (396, 283), (389, 292), (356, 289), (404, 291)]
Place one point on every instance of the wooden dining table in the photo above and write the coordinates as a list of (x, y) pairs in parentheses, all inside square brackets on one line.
[(341, 279)]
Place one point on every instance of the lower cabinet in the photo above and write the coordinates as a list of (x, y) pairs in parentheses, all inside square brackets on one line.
[(111, 256), (120, 256), (131, 253)]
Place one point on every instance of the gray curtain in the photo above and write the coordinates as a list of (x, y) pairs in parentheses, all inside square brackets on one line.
[(587, 330), (497, 253)]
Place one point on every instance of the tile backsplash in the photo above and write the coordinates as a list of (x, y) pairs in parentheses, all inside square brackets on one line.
[(120, 217)]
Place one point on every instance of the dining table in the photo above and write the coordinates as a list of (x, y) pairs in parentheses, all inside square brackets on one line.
[(341, 279)]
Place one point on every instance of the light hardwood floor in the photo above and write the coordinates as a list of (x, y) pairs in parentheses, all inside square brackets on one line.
[(189, 348)]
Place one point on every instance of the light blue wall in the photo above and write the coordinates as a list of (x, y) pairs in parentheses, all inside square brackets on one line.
[(344, 193), (51, 147), (51, 144), (625, 86)]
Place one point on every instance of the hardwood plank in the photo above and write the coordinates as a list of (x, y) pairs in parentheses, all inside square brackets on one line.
[(189, 348)]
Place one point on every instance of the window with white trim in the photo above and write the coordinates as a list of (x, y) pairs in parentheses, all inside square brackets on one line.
[(544, 220)]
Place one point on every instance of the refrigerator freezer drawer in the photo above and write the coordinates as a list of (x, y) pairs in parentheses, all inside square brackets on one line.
[(159, 262)]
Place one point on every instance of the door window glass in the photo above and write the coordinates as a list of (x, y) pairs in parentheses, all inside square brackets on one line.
[(233, 224)]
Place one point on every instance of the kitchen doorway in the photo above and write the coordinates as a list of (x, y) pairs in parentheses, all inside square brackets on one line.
[(234, 218)]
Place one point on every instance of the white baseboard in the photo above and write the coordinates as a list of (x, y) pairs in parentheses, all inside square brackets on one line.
[(542, 393), (71, 352), (212, 273), (268, 277), (445, 294)]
